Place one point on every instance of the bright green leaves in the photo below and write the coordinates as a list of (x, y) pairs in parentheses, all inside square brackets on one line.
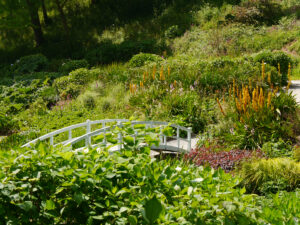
[(26, 206), (132, 220), (153, 208), (129, 140), (66, 155), (168, 131), (50, 205)]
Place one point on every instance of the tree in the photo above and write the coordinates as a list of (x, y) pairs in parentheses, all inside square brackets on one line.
[(45, 15), (33, 8)]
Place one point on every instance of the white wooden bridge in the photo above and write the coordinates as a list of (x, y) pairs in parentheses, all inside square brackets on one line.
[(167, 143)]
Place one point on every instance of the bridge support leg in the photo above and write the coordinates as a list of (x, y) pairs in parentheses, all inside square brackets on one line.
[(88, 130), (189, 134)]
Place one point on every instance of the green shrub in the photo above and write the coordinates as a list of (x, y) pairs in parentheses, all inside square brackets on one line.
[(71, 65), (273, 58), (38, 75), (48, 94), (257, 12), (109, 52), (277, 149), (143, 58), (173, 31), (30, 63), (270, 175), (116, 188), (71, 84), (7, 125)]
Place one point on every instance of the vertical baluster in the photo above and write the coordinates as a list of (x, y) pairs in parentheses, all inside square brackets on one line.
[(70, 136), (88, 130), (104, 133), (189, 138), (178, 138), (51, 140), (119, 138)]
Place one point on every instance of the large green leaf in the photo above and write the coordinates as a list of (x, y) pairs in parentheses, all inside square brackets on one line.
[(152, 210)]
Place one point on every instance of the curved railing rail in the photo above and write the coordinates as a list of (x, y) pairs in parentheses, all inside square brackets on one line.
[(164, 144)]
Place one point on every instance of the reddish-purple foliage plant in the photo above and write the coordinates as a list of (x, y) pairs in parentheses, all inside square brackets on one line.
[(227, 160)]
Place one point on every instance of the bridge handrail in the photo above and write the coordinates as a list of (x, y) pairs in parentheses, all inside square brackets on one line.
[(90, 133), (70, 128)]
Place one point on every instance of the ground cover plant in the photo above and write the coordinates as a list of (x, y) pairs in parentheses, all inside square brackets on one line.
[(47, 184)]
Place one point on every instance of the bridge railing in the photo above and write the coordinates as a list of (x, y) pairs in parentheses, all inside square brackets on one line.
[(164, 145)]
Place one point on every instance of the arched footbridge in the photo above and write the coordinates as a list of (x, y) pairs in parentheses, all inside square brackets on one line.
[(89, 129)]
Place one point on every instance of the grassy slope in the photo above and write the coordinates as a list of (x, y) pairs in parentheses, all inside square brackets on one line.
[(205, 38)]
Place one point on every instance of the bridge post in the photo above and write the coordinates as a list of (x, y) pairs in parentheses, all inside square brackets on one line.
[(189, 134), (104, 134), (88, 130), (51, 140), (70, 136), (119, 138), (178, 138)]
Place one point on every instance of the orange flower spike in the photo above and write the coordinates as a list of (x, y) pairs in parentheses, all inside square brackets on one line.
[(161, 73), (169, 71), (175, 83)]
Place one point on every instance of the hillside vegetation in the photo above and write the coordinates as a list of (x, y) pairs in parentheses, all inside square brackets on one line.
[(222, 67)]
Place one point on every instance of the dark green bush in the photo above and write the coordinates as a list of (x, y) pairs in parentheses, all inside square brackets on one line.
[(89, 101), (173, 31), (257, 12), (71, 65), (108, 52), (273, 58), (72, 84), (142, 58), (30, 63), (7, 125)]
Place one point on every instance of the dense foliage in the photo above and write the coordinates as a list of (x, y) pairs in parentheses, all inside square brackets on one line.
[(222, 67), (49, 185)]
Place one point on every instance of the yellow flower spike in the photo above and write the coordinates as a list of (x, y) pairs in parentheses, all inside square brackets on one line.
[(269, 78), (261, 98), (175, 83), (220, 107), (141, 84), (169, 71), (161, 73), (154, 72)]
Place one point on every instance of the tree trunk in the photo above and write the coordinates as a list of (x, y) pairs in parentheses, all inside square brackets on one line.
[(35, 22), (46, 18), (62, 16)]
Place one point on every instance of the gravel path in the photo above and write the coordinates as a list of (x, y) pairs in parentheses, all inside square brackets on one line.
[(295, 89)]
